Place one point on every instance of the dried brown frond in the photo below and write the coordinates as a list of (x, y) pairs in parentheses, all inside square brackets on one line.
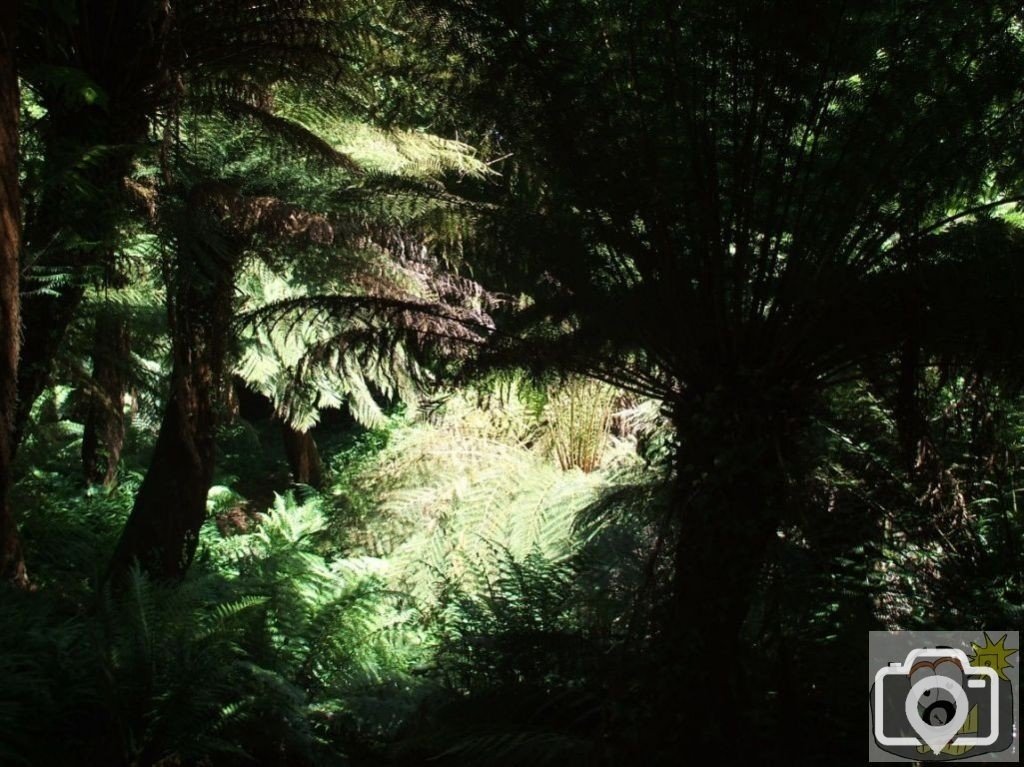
[(263, 215)]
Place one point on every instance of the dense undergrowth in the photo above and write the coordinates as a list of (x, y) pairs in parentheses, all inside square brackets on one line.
[(440, 561), (464, 382), (451, 596)]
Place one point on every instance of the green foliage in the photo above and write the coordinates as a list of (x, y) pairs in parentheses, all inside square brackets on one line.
[(303, 367), (457, 596), (579, 419), (350, 285), (271, 646), (477, 477), (763, 265), (329, 635)]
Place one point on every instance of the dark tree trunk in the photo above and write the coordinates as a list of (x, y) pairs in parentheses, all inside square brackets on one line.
[(252, 406), (74, 227), (303, 456), (103, 438), (911, 426), (730, 499), (45, 321), (71, 233), (12, 563), (163, 530)]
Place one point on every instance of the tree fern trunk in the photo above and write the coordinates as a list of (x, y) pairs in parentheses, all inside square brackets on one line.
[(303, 456), (163, 530), (12, 564), (105, 423), (730, 497), (45, 321), (70, 232)]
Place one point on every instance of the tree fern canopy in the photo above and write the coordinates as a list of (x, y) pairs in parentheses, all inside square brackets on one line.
[(466, 382)]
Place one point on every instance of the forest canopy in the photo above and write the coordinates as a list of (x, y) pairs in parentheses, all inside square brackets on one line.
[(393, 382)]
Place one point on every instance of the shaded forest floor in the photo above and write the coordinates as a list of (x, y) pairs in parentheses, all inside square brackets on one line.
[(450, 595)]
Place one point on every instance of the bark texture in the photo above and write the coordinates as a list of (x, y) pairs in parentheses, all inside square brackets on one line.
[(12, 564), (303, 456), (103, 438), (163, 530)]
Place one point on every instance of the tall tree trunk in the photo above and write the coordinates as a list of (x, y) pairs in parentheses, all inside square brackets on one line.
[(163, 530), (103, 438), (12, 563), (303, 456), (71, 233), (911, 424), (88, 149), (729, 498), (45, 323)]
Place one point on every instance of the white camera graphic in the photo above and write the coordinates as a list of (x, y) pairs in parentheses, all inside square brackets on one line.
[(936, 706)]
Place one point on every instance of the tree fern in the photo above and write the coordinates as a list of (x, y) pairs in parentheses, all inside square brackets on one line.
[(449, 490)]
